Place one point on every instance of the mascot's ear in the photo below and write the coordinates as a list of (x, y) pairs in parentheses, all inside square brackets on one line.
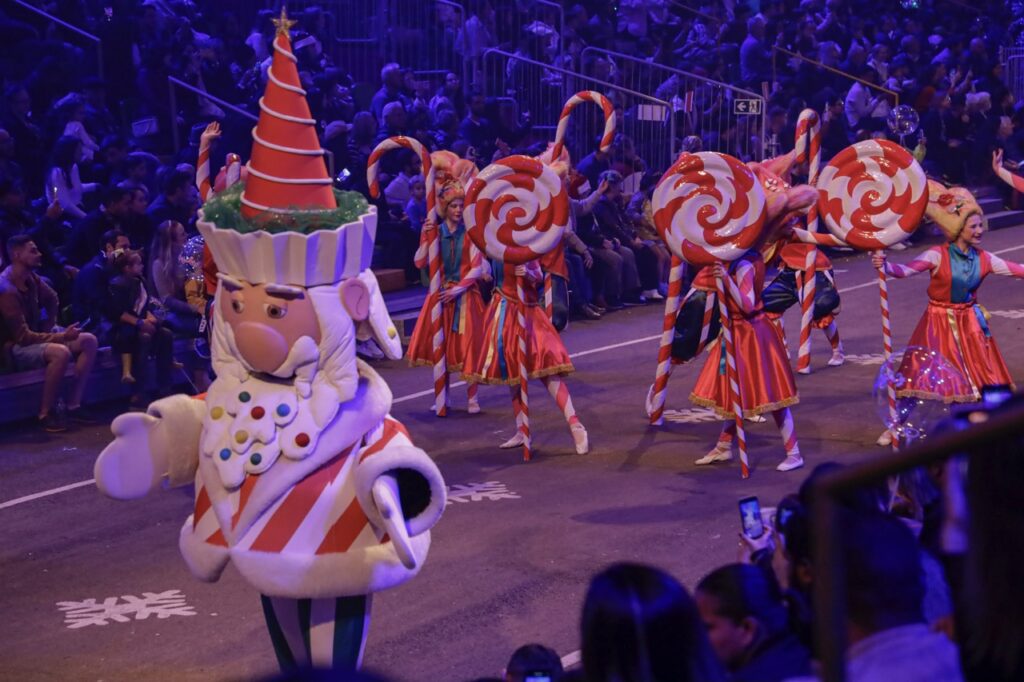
[(355, 296)]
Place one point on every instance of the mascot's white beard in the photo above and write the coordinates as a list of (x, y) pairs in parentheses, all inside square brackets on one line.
[(329, 366)]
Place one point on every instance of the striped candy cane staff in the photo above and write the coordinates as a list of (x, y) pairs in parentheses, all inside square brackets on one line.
[(203, 182), (433, 258), (563, 120), (733, 377), (516, 211), (883, 295), (668, 329), (808, 148)]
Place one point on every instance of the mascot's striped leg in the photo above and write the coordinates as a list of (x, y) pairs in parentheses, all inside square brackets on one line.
[(325, 633)]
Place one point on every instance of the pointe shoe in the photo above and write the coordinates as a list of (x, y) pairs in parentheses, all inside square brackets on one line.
[(580, 438), (755, 419), (474, 406), (885, 439), (837, 359), (722, 452), (804, 370), (791, 462), (513, 442)]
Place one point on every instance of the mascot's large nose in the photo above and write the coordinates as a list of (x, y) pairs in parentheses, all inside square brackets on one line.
[(263, 347)]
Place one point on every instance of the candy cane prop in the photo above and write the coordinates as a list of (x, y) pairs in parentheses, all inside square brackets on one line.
[(572, 103), (203, 183), (808, 148), (517, 210), (668, 328), (433, 258), (709, 207), (872, 195)]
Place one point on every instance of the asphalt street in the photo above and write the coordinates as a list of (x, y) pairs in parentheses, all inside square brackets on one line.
[(511, 557)]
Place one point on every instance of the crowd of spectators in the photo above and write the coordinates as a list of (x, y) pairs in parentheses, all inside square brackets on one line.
[(89, 171)]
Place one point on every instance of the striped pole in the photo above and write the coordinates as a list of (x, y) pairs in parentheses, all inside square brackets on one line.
[(549, 297), (524, 372), (433, 258), (203, 183), (733, 378), (233, 172), (883, 298), (563, 120), (808, 148), (668, 327)]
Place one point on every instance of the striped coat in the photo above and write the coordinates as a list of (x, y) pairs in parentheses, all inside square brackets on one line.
[(310, 528)]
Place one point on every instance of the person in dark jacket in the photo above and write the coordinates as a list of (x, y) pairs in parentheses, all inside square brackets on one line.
[(748, 625), (90, 292), (138, 331), (616, 226)]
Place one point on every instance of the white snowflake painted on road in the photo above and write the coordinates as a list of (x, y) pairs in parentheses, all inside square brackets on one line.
[(80, 614), (866, 359), (693, 415), (490, 491), (1011, 314)]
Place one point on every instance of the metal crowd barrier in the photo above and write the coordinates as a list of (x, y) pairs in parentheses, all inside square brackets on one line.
[(94, 42), (829, 594), (235, 124), (892, 95), (514, 19), (727, 118), (539, 90), (1013, 74)]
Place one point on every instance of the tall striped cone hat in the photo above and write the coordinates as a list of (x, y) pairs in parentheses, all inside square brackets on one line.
[(287, 172)]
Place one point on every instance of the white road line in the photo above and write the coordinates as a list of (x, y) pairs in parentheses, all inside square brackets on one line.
[(46, 493), (423, 394)]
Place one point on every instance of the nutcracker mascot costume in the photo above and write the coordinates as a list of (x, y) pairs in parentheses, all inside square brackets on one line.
[(302, 478)]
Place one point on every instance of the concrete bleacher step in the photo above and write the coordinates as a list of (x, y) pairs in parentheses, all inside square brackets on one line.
[(999, 219)]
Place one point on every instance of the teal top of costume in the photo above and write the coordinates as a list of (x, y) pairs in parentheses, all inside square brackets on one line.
[(965, 269), (451, 251)]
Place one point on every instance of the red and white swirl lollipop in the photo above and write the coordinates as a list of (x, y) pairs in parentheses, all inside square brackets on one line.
[(709, 207), (516, 210), (872, 194)]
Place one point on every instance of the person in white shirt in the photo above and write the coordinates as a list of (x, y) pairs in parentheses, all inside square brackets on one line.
[(864, 102), (63, 182)]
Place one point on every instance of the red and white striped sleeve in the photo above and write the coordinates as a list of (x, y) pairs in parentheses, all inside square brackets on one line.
[(819, 238), (421, 256), (1005, 267), (741, 286), (478, 267), (927, 261)]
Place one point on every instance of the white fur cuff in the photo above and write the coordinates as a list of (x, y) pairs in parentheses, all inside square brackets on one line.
[(420, 486)]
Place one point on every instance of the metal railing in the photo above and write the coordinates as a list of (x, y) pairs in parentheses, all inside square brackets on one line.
[(94, 41), (234, 115), (426, 36), (540, 90), (727, 118), (829, 576), (512, 20), (892, 95)]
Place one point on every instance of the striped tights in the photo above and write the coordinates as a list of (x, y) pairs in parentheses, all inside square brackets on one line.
[(784, 422)]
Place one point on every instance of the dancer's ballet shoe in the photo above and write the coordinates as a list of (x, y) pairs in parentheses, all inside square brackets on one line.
[(885, 439), (791, 462), (722, 452), (474, 406), (804, 370), (513, 442), (837, 359), (580, 438)]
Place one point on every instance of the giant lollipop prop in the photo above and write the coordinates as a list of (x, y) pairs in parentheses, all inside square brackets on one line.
[(433, 258), (710, 208), (516, 211), (872, 195), (808, 148)]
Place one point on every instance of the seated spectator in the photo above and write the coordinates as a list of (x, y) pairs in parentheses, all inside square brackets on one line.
[(28, 138), (30, 338), (888, 639), (747, 624), (167, 279), (91, 287), (399, 190), (639, 623), (9, 168), (394, 121), (137, 331), (390, 91), (416, 207), (592, 165), (112, 214), (137, 223), (611, 218), (64, 182), (531, 662), (176, 200), (477, 130)]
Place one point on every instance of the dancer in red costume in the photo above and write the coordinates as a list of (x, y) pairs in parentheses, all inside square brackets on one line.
[(953, 323), (462, 308), (494, 359), (766, 382)]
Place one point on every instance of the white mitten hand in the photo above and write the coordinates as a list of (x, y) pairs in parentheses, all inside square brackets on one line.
[(149, 448), (385, 496), (130, 467)]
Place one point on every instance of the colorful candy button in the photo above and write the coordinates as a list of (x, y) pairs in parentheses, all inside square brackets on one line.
[(244, 396), (241, 436), (256, 458), (257, 412), (225, 454), (217, 412), (283, 410), (302, 440)]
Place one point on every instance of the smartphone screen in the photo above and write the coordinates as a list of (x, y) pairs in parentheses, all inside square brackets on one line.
[(750, 517), (537, 677), (993, 396)]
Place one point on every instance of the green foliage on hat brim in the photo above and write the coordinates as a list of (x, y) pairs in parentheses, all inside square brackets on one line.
[(224, 210)]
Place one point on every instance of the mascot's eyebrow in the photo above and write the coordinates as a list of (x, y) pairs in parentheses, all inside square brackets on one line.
[(230, 283), (284, 291)]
